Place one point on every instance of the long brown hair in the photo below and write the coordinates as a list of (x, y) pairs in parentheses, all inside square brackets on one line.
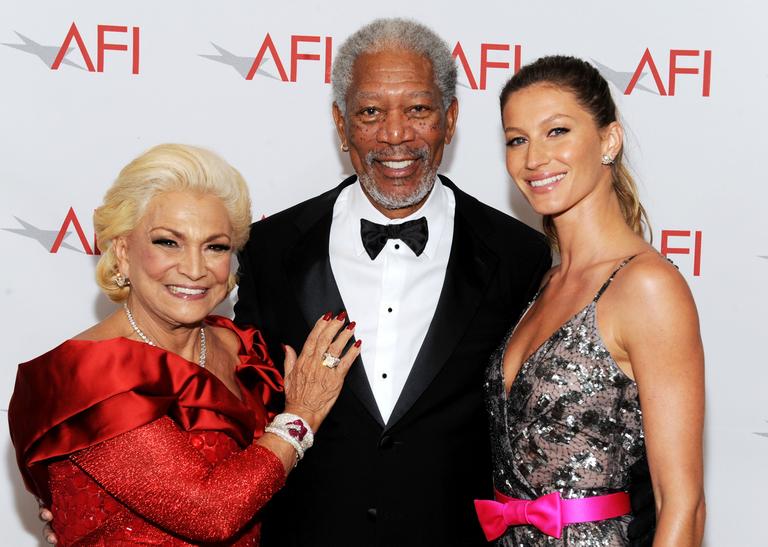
[(593, 94)]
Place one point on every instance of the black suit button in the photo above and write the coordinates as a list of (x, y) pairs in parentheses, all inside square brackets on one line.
[(371, 513), (386, 442)]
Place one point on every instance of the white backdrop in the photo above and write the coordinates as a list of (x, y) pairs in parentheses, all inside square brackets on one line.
[(697, 145)]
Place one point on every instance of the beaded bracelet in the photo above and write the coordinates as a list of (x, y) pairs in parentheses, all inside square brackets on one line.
[(294, 430)]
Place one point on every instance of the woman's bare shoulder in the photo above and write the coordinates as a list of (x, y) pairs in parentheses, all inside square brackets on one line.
[(650, 275), (652, 293)]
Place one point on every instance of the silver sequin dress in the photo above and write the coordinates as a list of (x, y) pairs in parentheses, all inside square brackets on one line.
[(571, 423)]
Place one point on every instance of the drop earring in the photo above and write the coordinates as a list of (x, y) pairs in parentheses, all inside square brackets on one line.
[(121, 281)]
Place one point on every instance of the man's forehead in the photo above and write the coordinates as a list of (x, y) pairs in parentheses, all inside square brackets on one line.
[(392, 71), (392, 60)]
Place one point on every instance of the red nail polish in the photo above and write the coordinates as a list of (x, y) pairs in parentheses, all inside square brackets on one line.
[(351, 326), (357, 344), (342, 316), (327, 316)]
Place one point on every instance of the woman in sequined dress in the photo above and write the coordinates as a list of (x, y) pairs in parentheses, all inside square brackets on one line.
[(149, 427), (606, 364)]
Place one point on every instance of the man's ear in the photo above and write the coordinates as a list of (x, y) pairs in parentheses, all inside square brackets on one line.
[(338, 121), (451, 115)]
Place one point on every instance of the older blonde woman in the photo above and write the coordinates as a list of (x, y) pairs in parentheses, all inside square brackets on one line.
[(149, 427)]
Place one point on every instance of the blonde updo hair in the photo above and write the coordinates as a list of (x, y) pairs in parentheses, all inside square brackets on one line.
[(165, 168)]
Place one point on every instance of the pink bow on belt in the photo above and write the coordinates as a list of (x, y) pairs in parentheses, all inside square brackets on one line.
[(548, 513)]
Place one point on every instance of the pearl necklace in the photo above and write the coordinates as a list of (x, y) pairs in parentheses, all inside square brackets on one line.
[(148, 341)]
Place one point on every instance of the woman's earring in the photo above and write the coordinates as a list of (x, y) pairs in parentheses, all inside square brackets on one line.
[(606, 159), (344, 147), (121, 281)]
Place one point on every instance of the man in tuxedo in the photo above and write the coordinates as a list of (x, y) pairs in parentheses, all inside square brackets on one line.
[(433, 278)]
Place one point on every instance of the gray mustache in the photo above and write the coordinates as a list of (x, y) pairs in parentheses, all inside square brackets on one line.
[(391, 152)]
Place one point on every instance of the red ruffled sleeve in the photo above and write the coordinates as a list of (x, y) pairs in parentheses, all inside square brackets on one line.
[(86, 392), (257, 374)]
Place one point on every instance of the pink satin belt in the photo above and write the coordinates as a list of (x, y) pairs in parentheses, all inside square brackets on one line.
[(548, 513)]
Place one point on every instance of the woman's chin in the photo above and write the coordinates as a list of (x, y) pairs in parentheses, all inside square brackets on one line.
[(546, 210)]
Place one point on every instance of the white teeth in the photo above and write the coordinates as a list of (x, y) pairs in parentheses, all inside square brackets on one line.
[(548, 180), (397, 164), (184, 290)]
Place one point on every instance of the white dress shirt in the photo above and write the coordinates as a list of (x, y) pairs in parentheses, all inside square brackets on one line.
[(392, 298)]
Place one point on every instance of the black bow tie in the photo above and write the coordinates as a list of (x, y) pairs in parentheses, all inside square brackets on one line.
[(413, 233)]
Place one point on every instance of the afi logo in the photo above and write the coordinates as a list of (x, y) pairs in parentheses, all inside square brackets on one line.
[(71, 218), (486, 62), (681, 61), (300, 50), (298, 53), (103, 33), (667, 250)]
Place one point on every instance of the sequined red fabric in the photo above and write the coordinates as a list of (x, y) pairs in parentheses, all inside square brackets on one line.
[(171, 464), (173, 488)]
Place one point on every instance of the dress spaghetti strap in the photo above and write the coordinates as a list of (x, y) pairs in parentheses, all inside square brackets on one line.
[(613, 274)]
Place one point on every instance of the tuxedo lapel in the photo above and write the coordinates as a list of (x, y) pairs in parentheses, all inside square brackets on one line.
[(469, 270), (308, 268), (309, 273)]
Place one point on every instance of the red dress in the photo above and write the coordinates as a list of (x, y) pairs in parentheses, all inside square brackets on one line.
[(130, 444)]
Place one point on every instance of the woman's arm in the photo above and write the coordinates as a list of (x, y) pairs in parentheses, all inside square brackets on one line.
[(658, 327), (157, 473)]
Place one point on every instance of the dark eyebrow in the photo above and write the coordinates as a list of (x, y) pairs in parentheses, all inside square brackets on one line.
[(375, 95), (174, 232), (421, 94), (179, 235), (543, 122), (217, 236), (366, 95)]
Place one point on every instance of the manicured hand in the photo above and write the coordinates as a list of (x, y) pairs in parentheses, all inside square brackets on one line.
[(311, 388)]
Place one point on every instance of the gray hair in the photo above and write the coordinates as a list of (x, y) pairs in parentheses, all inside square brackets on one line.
[(394, 33)]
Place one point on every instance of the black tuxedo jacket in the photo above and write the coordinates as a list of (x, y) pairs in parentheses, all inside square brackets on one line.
[(410, 481)]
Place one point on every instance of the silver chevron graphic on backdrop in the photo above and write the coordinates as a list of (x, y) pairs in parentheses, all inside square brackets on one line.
[(621, 79), (47, 54), (241, 64), (43, 237)]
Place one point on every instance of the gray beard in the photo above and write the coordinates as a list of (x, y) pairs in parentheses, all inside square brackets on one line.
[(400, 201)]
